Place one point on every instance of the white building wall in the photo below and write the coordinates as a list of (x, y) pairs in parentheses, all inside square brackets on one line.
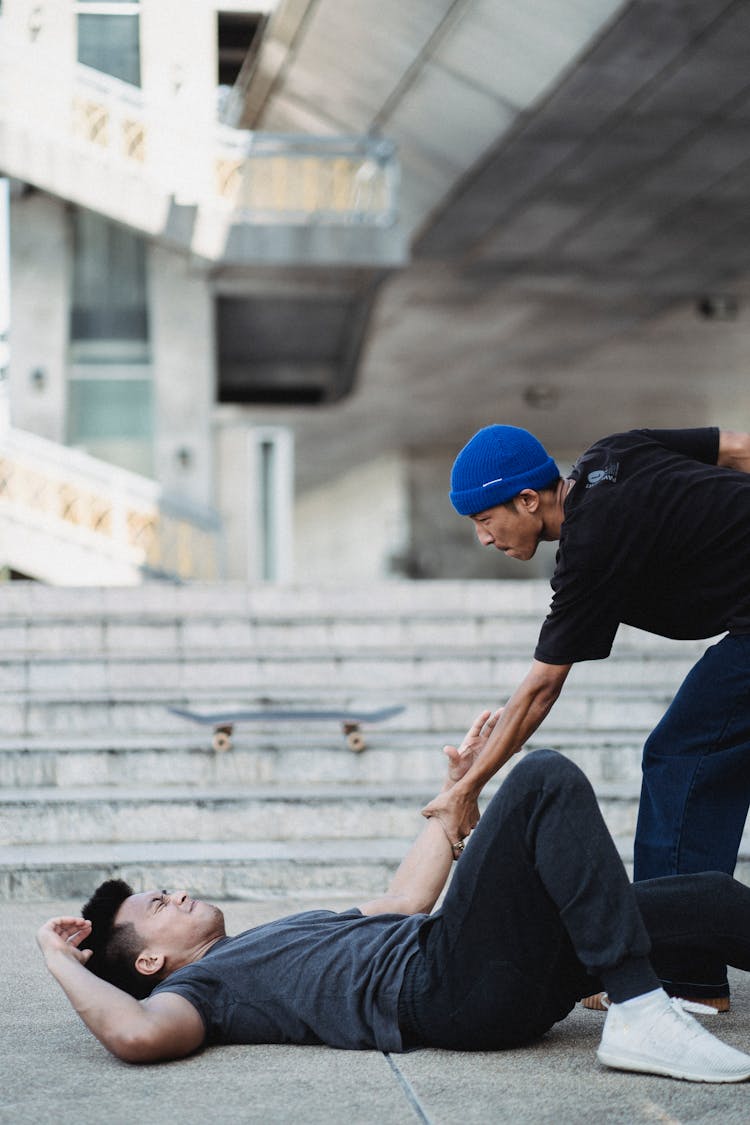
[(178, 54), (53, 25), (355, 528), (40, 304), (179, 78)]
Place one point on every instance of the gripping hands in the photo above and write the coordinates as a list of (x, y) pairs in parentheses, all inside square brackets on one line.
[(459, 812)]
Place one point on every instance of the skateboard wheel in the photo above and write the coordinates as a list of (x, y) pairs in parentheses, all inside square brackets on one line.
[(221, 741), (355, 740)]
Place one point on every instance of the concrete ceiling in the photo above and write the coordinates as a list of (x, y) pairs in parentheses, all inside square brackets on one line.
[(444, 79), (576, 177)]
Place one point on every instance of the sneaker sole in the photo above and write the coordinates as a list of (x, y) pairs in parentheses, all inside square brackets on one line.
[(720, 1003), (644, 1066)]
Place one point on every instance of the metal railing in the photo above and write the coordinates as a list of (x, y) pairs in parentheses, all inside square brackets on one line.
[(73, 498), (265, 176)]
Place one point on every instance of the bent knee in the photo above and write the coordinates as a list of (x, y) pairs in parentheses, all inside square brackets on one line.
[(546, 765)]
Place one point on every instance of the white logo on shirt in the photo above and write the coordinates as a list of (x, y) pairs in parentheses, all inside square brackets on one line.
[(609, 472)]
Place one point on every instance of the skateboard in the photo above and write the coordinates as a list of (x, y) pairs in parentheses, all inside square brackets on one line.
[(224, 722)]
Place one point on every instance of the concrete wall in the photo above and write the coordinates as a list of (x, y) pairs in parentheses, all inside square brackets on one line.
[(40, 300), (233, 469), (53, 25), (179, 76), (178, 55), (182, 346), (356, 529)]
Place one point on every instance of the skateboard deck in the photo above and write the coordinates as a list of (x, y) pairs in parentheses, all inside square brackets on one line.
[(224, 722)]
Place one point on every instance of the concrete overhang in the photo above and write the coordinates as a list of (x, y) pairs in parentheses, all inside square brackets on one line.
[(579, 242)]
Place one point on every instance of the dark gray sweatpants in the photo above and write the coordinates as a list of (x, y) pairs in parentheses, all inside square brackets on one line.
[(540, 912)]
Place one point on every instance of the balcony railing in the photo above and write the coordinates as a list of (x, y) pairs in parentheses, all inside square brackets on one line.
[(187, 156), (68, 498)]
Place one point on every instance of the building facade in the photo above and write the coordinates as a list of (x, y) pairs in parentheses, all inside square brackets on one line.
[(272, 265)]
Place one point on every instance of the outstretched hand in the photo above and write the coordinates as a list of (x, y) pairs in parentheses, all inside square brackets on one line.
[(459, 812), (461, 758), (64, 935)]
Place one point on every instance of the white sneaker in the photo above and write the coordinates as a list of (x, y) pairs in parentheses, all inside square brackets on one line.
[(655, 1034)]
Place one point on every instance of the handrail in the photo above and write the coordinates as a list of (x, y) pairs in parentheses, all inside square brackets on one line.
[(73, 496)]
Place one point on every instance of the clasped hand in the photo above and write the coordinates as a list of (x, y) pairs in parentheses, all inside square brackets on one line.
[(458, 811)]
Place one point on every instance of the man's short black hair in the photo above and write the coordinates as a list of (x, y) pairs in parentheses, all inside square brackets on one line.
[(551, 487), (115, 947)]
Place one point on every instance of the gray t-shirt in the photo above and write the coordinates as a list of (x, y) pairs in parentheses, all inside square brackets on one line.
[(317, 977)]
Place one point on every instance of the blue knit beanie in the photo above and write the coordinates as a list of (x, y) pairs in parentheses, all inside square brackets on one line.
[(497, 464)]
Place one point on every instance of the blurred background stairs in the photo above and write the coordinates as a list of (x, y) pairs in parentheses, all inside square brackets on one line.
[(98, 778)]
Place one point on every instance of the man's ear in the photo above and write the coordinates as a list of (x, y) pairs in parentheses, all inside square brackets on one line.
[(149, 963), (528, 500)]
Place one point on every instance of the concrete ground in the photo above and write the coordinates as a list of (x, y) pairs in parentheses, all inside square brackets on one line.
[(53, 1071)]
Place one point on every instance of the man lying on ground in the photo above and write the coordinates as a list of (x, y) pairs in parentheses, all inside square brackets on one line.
[(539, 913)]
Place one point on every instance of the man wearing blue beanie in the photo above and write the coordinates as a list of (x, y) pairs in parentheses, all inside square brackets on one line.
[(499, 463), (654, 531)]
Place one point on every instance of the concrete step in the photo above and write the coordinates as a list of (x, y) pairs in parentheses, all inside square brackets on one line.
[(37, 619), (432, 714), (226, 637), (265, 671), (124, 758), (351, 869), (303, 812), (33, 603), (185, 637), (128, 815)]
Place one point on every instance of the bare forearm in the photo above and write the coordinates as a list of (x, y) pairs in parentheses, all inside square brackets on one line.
[(114, 1017), (419, 880), (424, 869), (734, 450), (523, 714)]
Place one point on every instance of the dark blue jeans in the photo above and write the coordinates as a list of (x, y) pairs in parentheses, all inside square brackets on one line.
[(696, 790), (540, 913)]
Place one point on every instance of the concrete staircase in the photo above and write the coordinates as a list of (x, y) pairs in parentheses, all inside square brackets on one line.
[(98, 777)]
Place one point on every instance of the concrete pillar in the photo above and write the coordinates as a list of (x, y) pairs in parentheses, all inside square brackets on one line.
[(40, 267), (179, 80), (182, 345), (4, 304)]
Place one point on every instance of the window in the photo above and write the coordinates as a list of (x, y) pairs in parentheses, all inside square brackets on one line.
[(109, 289), (109, 38), (110, 408), (236, 33)]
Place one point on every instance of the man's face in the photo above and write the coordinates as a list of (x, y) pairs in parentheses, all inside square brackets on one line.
[(175, 925), (515, 528)]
